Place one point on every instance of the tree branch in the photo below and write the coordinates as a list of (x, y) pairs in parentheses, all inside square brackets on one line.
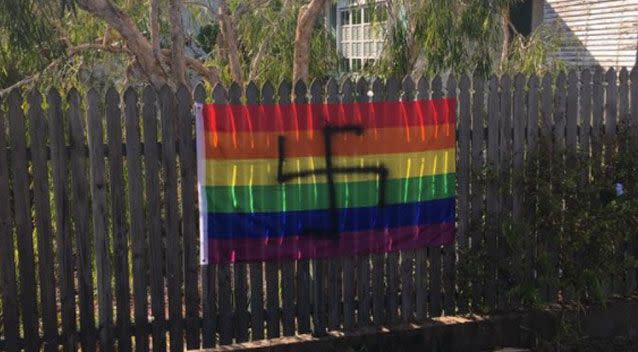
[(230, 40), (138, 45), (154, 27), (61, 60), (209, 73), (305, 23), (177, 47)]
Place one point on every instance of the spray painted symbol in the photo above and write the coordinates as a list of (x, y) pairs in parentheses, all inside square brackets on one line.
[(331, 170)]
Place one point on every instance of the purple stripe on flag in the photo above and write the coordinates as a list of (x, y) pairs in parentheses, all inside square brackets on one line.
[(350, 243)]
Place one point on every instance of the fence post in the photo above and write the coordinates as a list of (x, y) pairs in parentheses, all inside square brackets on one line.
[(434, 252), (463, 184)]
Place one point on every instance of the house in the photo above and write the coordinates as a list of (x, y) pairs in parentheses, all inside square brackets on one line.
[(595, 32)]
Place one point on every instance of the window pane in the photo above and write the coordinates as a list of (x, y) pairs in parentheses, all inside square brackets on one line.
[(345, 17), (356, 16)]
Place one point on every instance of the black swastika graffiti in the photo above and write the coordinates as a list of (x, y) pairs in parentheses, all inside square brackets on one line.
[(331, 170)]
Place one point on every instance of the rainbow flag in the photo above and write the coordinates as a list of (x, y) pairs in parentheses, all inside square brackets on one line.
[(296, 181)]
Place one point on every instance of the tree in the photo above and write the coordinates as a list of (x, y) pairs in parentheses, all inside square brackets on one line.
[(165, 59)]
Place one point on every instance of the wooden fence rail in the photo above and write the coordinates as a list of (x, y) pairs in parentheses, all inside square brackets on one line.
[(98, 214)]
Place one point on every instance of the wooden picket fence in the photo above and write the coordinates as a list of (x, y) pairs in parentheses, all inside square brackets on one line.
[(98, 214)]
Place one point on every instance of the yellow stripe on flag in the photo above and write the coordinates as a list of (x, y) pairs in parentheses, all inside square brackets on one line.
[(244, 172)]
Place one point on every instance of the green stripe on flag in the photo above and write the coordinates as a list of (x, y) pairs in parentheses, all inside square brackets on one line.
[(292, 197)]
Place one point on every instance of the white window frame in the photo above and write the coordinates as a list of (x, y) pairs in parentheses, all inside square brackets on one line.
[(359, 42)]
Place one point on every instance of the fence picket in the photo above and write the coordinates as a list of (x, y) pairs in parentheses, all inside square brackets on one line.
[(449, 251), (100, 219), (10, 318), (463, 182), (434, 252), (272, 268), (119, 231), (518, 153), (240, 289), (188, 184), (531, 200), (137, 236), (153, 217), (407, 257), (288, 297), (171, 217), (505, 205), (303, 266), (334, 270), (623, 98), (393, 91), (633, 98), (347, 264), (256, 269), (81, 221), (378, 284), (208, 275), (364, 293), (492, 192), (22, 218), (477, 186), (37, 133), (226, 318)]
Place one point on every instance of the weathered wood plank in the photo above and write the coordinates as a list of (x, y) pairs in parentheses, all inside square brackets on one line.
[(62, 219), (226, 318), (272, 268), (136, 210), (449, 251), (303, 266), (477, 186), (208, 271), (239, 269), (492, 193), (10, 318), (434, 252), (319, 272), (100, 220), (256, 269), (333, 284), (168, 108), (634, 102), (531, 200), (598, 118), (288, 289), (364, 293), (407, 257), (505, 206), (81, 217), (632, 274), (188, 185), (463, 123), (23, 223), (623, 98), (610, 132), (347, 264), (37, 132), (153, 217), (519, 121), (118, 222), (546, 125), (560, 123), (378, 284)]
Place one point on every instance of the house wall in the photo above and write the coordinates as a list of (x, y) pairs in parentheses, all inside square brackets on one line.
[(597, 32)]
